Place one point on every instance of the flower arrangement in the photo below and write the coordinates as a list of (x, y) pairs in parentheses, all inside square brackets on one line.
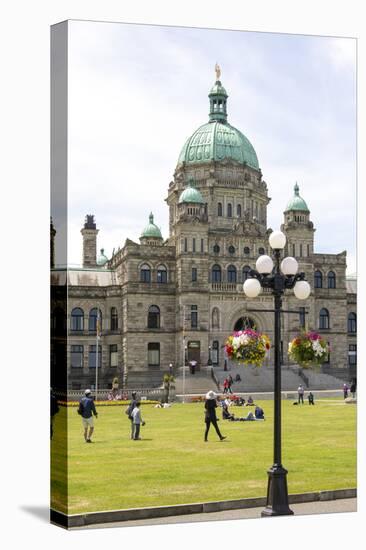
[(248, 346), (308, 348)]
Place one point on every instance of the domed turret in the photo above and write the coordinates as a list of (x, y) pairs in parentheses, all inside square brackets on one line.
[(191, 195), (218, 140), (297, 202), (151, 234), (102, 258)]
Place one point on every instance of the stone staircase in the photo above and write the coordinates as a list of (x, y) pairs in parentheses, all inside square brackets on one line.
[(200, 382)]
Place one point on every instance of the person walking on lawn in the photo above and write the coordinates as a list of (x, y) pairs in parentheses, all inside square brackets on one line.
[(87, 410), (129, 410), (210, 414), (137, 421)]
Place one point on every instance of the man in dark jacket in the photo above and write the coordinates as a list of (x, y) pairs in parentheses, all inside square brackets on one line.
[(210, 414), (129, 410), (87, 410)]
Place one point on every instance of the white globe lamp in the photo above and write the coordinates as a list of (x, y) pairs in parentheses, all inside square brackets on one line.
[(264, 264), (289, 266), (277, 240), (302, 290), (252, 288)]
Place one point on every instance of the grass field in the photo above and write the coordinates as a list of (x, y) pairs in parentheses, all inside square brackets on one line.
[(173, 465)]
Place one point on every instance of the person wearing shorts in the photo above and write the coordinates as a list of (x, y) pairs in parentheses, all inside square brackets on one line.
[(87, 410)]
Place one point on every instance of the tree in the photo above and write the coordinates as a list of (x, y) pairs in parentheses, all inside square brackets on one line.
[(168, 384)]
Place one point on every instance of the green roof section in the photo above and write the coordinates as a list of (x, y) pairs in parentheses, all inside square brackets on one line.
[(191, 195), (102, 258), (218, 140), (151, 230), (297, 202)]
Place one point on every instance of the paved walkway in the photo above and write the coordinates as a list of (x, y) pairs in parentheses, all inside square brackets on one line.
[(322, 507)]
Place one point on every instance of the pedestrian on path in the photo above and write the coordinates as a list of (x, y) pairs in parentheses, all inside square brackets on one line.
[(345, 391), (300, 393), (87, 410), (210, 414)]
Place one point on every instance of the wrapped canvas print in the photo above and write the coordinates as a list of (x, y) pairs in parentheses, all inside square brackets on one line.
[(203, 322)]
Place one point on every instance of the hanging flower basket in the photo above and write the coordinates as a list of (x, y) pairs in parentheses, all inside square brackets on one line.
[(248, 347), (308, 349)]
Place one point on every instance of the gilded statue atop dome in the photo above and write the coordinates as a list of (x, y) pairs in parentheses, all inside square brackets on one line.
[(217, 71)]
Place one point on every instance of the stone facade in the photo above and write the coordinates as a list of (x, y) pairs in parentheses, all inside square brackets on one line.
[(192, 282)]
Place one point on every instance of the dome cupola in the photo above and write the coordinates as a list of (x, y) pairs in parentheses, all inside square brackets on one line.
[(297, 202), (151, 233), (191, 195), (102, 259), (217, 140)]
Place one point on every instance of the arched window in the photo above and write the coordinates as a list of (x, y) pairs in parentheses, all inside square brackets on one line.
[(261, 251), (246, 270), (145, 273), (331, 279), (216, 274), (153, 317), (231, 274), (323, 318), (229, 210), (114, 318), (231, 249), (352, 322), (238, 210), (77, 319), (246, 250), (318, 279), (216, 248), (162, 276), (219, 209), (93, 316)]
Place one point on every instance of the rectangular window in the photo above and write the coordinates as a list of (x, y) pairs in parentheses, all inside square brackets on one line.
[(194, 244), (185, 245), (293, 251), (308, 249), (194, 274), (77, 357), (194, 316), (92, 356), (352, 354), (300, 250), (302, 317), (113, 355), (153, 354), (202, 245)]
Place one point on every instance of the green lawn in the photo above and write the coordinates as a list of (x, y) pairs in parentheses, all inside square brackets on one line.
[(173, 465)]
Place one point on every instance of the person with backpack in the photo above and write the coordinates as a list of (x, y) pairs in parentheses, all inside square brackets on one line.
[(87, 410), (129, 410)]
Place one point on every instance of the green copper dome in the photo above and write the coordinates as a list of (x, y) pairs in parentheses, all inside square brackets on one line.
[(217, 140), (191, 194), (151, 230), (297, 202), (102, 258)]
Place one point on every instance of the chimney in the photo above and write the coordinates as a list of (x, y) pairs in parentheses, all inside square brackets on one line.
[(89, 233)]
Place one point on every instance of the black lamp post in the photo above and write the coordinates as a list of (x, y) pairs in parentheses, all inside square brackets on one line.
[(209, 362), (277, 277)]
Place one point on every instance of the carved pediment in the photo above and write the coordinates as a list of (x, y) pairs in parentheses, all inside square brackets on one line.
[(251, 228)]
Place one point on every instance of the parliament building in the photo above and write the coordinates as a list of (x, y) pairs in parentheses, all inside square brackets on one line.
[(168, 299)]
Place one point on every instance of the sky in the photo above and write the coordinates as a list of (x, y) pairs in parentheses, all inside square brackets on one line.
[(137, 92)]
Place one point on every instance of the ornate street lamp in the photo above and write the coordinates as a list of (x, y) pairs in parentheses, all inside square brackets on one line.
[(209, 362), (278, 277)]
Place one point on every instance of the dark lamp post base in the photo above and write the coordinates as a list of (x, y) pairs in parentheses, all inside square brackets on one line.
[(277, 496)]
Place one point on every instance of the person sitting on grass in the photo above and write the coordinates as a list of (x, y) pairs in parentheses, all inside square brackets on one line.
[(249, 402), (226, 415), (259, 413)]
